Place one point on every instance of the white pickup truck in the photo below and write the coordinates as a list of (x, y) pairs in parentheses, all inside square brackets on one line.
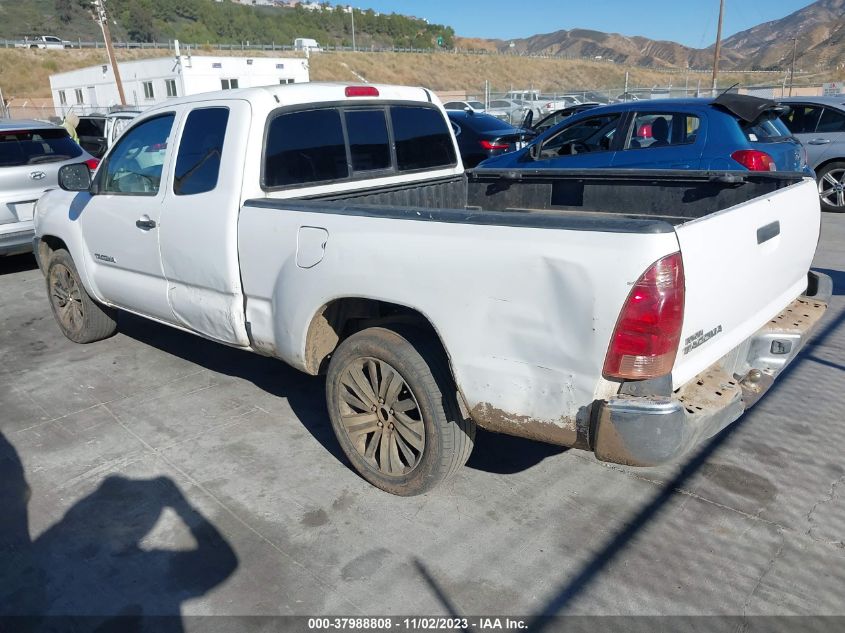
[(628, 313)]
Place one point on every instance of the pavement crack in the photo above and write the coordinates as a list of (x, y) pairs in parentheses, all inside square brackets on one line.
[(765, 572), (830, 496)]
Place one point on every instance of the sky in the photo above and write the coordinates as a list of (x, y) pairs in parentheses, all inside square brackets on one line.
[(690, 22)]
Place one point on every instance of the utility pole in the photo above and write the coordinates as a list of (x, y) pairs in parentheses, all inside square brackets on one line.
[(103, 19), (352, 13), (718, 45), (792, 66)]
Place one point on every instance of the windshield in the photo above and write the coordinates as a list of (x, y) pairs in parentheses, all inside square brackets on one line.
[(476, 105), (30, 147)]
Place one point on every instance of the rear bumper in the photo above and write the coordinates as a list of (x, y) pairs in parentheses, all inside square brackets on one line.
[(15, 239), (647, 431)]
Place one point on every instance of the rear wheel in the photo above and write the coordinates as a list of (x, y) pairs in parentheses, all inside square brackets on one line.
[(80, 318), (393, 407), (831, 181)]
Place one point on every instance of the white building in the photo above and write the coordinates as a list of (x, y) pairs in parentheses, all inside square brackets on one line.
[(151, 81)]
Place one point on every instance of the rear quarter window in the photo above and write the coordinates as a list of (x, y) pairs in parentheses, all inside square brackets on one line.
[(422, 138)]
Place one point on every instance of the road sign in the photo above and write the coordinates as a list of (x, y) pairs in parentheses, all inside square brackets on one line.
[(440, 40), (833, 88)]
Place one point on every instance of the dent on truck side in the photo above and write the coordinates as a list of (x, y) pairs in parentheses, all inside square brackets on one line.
[(524, 314)]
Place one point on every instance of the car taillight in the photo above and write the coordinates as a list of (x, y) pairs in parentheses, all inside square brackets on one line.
[(93, 163), (754, 160), (494, 145), (645, 340), (361, 91)]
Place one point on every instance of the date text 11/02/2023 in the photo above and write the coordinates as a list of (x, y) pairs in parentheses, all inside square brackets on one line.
[(419, 623)]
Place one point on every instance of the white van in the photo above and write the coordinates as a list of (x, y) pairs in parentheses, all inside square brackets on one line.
[(307, 44)]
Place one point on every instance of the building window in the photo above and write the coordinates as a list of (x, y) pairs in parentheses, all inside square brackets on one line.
[(170, 84), (285, 81), (62, 97), (79, 98), (149, 93), (229, 84)]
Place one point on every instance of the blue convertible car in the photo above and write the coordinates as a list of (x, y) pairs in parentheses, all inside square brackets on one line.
[(732, 132)]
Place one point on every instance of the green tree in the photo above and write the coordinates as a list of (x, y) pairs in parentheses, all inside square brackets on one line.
[(65, 10), (139, 23)]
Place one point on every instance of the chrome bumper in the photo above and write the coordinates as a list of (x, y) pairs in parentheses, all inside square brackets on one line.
[(647, 431)]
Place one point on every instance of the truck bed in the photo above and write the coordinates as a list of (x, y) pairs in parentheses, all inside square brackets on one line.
[(597, 199)]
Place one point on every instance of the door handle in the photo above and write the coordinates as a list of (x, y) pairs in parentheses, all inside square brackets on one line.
[(819, 141), (144, 223)]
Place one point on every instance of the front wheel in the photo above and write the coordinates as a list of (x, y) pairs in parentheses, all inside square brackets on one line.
[(831, 181), (394, 409), (80, 318)]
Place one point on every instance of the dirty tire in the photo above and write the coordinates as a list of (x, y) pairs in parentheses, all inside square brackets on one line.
[(79, 317), (427, 394), (832, 202)]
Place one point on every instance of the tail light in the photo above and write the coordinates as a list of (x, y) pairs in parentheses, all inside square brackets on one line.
[(494, 145), (93, 163), (645, 341), (361, 91), (754, 160)]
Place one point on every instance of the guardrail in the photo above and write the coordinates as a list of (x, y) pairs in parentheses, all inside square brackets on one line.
[(273, 46)]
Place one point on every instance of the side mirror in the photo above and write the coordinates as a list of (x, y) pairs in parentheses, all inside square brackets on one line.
[(75, 177)]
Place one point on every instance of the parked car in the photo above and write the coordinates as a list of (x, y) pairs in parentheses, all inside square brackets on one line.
[(481, 136), (550, 120), (462, 106), (44, 42), (728, 133), (507, 110), (307, 44), (31, 153), (334, 227), (559, 102), (628, 96), (97, 132), (819, 123)]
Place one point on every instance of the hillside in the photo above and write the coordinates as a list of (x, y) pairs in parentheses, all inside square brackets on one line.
[(819, 29), (25, 73), (201, 21)]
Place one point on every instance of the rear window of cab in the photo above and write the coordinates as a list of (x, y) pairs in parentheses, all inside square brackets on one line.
[(331, 144)]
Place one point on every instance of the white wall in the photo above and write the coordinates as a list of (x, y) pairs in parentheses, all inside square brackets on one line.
[(192, 75)]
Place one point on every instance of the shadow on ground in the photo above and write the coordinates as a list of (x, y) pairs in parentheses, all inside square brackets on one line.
[(17, 264), (305, 394), (93, 565)]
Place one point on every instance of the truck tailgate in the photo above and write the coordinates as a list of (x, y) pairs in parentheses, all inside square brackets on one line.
[(742, 266)]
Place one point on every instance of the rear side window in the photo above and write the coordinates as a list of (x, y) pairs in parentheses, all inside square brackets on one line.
[(32, 147), (91, 127), (831, 121), (802, 119), (369, 144), (663, 129), (198, 160), (305, 147), (422, 138)]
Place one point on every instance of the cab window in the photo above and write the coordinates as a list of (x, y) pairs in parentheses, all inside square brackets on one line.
[(136, 162), (200, 149), (593, 134), (664, 129)]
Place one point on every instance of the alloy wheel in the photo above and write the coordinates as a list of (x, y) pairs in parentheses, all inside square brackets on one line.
[(66, 297), (832, 188), (381, 416)]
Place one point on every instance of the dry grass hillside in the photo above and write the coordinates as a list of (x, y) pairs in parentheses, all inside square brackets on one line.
[(25, 73)]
